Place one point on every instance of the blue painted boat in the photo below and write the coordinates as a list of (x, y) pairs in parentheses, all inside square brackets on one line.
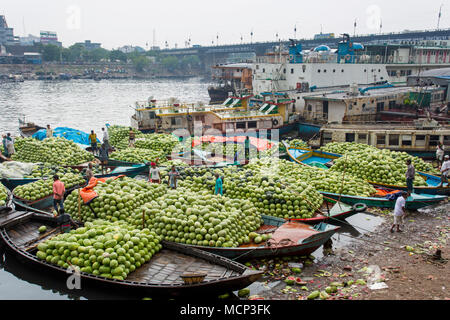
[(315, 158), (307, 131), (289, 238)]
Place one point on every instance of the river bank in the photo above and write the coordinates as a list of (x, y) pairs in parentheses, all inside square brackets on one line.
[(52, 71), (378, 265)]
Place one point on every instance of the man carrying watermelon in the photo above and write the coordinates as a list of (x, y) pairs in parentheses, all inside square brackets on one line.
[(410, 174), (154, 175)]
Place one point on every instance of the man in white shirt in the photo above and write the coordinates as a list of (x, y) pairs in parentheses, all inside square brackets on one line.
[(106, 139), (400, 211), (445, 170)]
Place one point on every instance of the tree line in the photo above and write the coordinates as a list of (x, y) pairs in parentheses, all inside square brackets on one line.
[(142, 61)]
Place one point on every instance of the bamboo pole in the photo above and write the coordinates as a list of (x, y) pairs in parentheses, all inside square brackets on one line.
[(79, 205)]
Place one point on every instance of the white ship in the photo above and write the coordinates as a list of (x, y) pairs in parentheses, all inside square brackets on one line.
[(323, 69)]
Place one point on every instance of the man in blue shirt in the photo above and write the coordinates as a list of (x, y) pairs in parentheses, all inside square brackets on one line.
[(219, 188)]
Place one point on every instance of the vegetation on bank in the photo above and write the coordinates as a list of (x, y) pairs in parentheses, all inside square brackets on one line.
[(143, 62)]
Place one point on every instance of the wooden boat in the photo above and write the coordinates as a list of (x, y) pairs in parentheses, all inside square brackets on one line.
[(27, 129), (324, 160), (414, 202), (129, 171), (161, 276), (288, 238), (42, 206)]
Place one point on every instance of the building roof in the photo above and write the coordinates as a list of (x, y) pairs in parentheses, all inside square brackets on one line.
[(443, 72)]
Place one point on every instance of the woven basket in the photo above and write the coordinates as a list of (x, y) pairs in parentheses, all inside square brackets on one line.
[(193, 278)]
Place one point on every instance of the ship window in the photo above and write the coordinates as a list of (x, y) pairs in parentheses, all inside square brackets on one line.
[(334, 70), (152, 115), (292, 71), (342, 70), (252, 125), (349, 137), (257, 67), (365, 70), (318, 71), (264, 70), (381, 139), (434, 140), (284, 70), (362, 138), (447, 140), (327, 137), (379, 70), (240, 125), (325, 70), (309, 107), (420, 141), (173, 121), (394, 139), (391, 104), (406, 140)]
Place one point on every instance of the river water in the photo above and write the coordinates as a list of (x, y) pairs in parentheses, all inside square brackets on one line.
[(89, 105)]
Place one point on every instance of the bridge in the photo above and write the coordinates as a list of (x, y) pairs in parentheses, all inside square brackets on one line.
[(213, 55)]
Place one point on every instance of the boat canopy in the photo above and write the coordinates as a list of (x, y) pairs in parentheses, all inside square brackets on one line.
[(74, 135)]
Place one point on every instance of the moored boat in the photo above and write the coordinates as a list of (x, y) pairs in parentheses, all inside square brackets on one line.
[(129, 171), (324, 160), (288, 238), (161, 276)]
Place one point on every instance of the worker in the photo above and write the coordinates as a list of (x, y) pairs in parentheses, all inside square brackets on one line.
[(49, 132), (65, 221), (5, 146), (58, 193), (410, 175), (103, 156), (93, 141), (440, 154), (131, 138), (445, 170), (10, 145), (89, 172), (219, 185), (154, 174), (400, 211), (173, 178), (106, 139), (247, 148)]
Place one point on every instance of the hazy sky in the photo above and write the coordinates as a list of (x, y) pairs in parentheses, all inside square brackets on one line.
[(131, 22)]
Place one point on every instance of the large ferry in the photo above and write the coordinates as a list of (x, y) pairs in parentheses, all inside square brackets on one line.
[(301, 72)]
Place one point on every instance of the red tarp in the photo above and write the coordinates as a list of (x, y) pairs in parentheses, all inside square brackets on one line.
[(260, 144), (88, 194)]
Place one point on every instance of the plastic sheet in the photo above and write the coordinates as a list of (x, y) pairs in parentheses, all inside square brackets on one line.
[(74, 135), (15, 170)]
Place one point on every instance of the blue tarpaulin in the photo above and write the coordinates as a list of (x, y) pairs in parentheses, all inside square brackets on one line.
[(74, 135)]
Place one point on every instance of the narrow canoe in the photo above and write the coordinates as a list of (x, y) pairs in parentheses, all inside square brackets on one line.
[(324, 160), (161, 276), (289, 238), (129, 171)]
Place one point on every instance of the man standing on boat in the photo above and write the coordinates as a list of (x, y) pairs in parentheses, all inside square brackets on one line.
[(58, 193), (400, 211), (89, 172), (5, 146), (131, 138), (103, 156), (410, 174), (10, 145), (93, 141), (106, 139), (173, 177), (440, 154), (48, 132), (445, 170)]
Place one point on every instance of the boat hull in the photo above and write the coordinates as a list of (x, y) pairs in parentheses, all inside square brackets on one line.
[(412, 203), (300, 246), (238, 276)]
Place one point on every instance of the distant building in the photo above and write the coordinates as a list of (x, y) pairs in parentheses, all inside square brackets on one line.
[(130, 49), (50, 37), (155, 48), (6, 33), (29, 41), (88, 45)]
